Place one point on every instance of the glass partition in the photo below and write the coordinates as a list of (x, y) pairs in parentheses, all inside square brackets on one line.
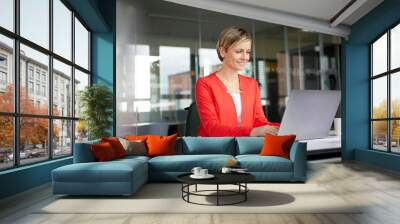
[(170, 46)]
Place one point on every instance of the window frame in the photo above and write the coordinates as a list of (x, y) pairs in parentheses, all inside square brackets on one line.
[(388, 74), (16, 114)]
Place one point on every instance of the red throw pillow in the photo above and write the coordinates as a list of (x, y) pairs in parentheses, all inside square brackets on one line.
[(136, 137), (277, 145), (103, 152), (116, 145), (161, 145)]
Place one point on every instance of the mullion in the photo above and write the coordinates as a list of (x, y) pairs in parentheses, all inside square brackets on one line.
[(386, 73), (385, 119), (389, 106), (371, 89), (41, 49), (73, 81), (50, 87), (16, 84)]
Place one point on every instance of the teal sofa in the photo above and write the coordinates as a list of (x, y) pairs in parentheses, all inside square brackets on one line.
[(125, 176)]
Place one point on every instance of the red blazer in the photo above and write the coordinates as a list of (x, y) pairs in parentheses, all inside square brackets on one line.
[(217, 110)]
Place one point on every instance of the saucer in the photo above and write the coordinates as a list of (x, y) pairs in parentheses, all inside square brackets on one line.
[(208, 176)]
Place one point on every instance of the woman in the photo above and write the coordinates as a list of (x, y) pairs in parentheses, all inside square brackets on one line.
[(229, 104)]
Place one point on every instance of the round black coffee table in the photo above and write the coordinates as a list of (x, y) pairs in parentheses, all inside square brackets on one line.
[(238, 179)]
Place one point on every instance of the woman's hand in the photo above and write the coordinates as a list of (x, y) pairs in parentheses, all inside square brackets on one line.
[(263, 130)]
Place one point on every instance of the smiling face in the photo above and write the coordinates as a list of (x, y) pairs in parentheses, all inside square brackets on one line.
[(237, 55)]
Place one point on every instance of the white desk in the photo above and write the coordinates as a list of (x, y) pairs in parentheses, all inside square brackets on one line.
[(321, 144)]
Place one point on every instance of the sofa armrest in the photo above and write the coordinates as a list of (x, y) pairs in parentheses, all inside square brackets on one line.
[(83, 152), (298, 155)]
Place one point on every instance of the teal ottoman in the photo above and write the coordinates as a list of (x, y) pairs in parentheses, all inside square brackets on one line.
[(118, 177)]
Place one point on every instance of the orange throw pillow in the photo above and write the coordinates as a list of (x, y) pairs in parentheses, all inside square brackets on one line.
[(277, 145), (116, 145), (136, 137), (161, 145), (103, 152)]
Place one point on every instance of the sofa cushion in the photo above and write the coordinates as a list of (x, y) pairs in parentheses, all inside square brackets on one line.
[(185, 163), (116, 145), (136, 137), (277, 145), (161, 145), (257, 163), (207, 145), (249, 145), (112, 171), (134, 147), (103, 152)]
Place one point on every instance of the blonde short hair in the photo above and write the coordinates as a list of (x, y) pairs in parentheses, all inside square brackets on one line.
[(230, 36)]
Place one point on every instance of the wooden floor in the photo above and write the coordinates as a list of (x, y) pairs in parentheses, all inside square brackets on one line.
[(354, 182)]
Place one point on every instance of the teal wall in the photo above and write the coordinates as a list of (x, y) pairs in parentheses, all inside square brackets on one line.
[(99, 15), (24, 178), (103, 52), (356, 85)]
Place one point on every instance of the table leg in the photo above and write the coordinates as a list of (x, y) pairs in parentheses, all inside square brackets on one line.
[(217, 194), (245, 191)]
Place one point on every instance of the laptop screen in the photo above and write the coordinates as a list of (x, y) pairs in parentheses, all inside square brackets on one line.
[(309, 113)]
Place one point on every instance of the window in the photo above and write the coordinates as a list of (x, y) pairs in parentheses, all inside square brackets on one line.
[(7, 142), (30, 72), (43, 90), (53, 125), (37, 89), (7, 14), (3, 60), (62, 29), (7, 74), (62, 74), (30, 87), (385, 94), (81, 81), (37, 75), (3, 78), (3, 72), (34, 21), (81, 45)]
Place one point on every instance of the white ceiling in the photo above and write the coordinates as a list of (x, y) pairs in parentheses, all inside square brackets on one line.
[(319, 9), (315, 15)]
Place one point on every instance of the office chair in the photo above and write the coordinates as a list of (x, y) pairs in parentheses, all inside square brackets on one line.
[(192, 120)]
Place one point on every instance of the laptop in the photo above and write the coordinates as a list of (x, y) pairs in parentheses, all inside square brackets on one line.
[(309, 113)]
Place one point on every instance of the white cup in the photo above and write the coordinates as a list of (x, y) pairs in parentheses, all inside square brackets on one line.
[(196, 170), (226, 170), (203, 172)]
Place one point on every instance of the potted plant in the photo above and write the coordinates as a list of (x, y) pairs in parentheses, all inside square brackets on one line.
[(96, 103)]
